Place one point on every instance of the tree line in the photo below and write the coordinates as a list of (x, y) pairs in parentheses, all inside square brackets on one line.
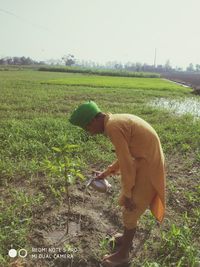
[(70, 60), (19, 61)]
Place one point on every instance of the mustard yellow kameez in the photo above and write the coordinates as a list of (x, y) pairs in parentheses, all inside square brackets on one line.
[(140, 161)]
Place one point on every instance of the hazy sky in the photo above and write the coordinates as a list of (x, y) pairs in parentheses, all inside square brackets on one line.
[(102, 30)]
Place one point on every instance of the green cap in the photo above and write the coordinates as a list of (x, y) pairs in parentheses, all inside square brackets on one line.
[(84, 114)]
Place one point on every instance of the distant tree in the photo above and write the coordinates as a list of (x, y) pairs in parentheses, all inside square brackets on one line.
[(41, 62), (26, 61), (160, 68), (69, 60), (149, 68), (118, 66), (2, 61), (54, 62), (127, 65), (29, 61), (197, 67), (167, 66), (190, 67), (16, 60), (23, 60), (132, 67), (110, 65), (178, 68), (138, 66), (9, 61)]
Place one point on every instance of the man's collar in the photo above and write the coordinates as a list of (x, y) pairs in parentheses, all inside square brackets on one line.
[(106, 118)]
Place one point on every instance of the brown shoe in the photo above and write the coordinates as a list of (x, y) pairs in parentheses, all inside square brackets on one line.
[(109, 263)]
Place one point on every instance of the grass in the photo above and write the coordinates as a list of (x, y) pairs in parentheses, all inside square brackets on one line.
[(34, 108), (15, 219), (175, 246), (114, 82), (101, 72)]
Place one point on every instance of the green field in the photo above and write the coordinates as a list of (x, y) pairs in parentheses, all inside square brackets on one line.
[(34, 111)]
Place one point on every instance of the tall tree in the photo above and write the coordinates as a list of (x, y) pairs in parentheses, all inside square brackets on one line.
[(69, 59)]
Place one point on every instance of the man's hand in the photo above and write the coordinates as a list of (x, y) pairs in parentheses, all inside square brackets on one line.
[(99, 175), (129, 204)]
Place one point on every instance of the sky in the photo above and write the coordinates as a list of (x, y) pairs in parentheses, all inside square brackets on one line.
[(102, 30)]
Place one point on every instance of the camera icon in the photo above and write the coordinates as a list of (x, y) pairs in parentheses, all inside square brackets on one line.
[(22, 253)]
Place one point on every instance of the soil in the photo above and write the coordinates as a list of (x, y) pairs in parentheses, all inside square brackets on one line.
[(94, 219)]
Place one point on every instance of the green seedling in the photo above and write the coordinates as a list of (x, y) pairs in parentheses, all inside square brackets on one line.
[(65, 169), (106, 243)]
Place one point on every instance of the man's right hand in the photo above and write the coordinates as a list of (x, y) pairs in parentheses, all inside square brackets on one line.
[(99, 175)]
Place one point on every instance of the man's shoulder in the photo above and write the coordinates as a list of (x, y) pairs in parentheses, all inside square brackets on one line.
[(119, 121), (121, 118)]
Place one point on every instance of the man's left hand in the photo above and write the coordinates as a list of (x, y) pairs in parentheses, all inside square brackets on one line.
[(129, 204)]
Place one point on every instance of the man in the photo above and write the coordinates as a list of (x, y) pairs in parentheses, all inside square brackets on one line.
[(140, 161)]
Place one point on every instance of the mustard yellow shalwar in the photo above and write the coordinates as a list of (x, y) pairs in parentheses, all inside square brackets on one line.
[(140, 161)]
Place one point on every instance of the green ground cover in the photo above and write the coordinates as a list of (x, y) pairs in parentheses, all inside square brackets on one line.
[(34, 108), (114, 82), (102, 72)]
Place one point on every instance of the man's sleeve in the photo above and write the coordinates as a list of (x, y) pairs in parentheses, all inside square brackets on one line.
[(125, 160)]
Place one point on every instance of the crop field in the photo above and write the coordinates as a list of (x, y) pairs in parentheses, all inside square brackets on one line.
[(191, 79), (45, 162)]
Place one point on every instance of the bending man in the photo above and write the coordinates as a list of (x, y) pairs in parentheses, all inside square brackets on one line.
[(140, 161)]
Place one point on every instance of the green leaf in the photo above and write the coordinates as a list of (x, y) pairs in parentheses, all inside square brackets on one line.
[(70, 147), (70, 179), (80, 176), (56, 149)]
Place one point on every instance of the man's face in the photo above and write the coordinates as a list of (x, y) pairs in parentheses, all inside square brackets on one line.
[(93, 127)]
